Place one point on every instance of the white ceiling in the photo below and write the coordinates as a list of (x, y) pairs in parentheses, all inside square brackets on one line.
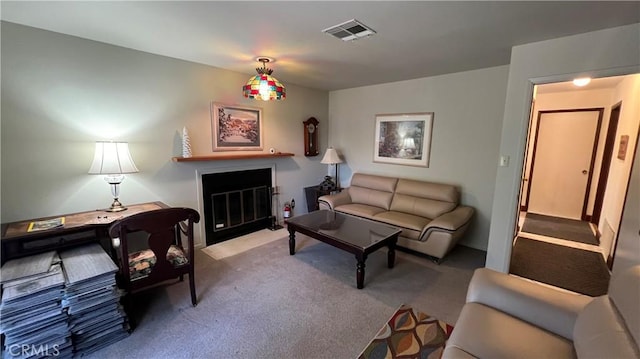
[(595, 84), (414, 39)]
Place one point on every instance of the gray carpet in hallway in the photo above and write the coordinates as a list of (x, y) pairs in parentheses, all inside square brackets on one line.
[(556, 227), (265, 303), (574, 269)]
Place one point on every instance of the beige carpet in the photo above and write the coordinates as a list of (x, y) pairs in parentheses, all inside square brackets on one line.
[(244, 243)]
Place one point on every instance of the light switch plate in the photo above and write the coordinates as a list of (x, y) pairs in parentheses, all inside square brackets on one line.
[(504, 161)]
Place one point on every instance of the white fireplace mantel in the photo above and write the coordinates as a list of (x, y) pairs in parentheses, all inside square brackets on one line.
[(226, 157)]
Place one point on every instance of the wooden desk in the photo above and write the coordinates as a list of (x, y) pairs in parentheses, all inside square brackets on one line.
[(79, 228)]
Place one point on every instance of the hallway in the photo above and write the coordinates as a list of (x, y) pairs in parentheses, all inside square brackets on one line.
[(575, 178), (563, 263), (560, 241)]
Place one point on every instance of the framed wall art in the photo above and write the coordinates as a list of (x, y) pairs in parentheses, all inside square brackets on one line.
[(622, 148), (236, 128), (403, 139)]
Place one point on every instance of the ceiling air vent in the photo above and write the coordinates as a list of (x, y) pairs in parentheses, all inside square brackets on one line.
[(350, 30)]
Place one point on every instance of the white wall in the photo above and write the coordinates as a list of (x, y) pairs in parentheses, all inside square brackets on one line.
[(627, 93), (602, 53), (468, 108), (60, 94), (628, 249)]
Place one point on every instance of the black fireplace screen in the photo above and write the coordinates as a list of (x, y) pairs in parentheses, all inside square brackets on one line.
[(236, 203), (235, 208)]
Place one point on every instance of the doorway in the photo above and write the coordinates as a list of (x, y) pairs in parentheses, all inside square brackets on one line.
[(563, 157), (566, 178)]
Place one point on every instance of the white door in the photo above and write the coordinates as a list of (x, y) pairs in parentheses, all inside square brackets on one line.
[(562, 159)]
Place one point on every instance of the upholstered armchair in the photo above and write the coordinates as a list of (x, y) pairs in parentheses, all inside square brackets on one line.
[(510, 317)]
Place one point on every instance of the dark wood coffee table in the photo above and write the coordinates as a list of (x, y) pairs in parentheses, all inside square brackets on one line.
[(352, 234)]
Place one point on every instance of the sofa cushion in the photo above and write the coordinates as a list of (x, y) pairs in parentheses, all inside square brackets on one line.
[(545, 306), (411, 225), (434, 191), (370, 197), (423, 198), (485, 332), (372, 190), (421, 206), (379, 183), (360, 210)]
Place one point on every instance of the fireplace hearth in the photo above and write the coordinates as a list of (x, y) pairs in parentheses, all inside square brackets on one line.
[(236, 203)]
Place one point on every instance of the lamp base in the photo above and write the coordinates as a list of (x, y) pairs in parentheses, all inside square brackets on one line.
[(116, 206)]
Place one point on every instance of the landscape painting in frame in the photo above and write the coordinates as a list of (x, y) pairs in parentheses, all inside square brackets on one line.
[(236, 128), (403, 139)]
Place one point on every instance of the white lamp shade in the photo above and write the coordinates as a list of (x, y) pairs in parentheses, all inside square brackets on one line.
[(112, 158), (331, 157)]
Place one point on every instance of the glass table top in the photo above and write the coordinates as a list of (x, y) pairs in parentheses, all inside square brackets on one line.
[(344, 228)]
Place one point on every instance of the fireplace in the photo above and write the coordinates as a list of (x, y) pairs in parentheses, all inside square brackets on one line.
[(236, 203)]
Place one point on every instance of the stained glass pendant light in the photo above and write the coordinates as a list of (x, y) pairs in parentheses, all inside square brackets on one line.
[(263, 86)]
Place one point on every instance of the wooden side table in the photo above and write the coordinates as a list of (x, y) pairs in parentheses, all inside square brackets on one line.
[(313, 193), (79, 228)]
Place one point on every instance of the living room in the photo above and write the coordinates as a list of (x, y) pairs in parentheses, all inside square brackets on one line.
[(62, 93)]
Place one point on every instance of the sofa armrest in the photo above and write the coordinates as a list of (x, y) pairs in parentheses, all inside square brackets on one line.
[(450, 221), (551, 309), (332, 201)]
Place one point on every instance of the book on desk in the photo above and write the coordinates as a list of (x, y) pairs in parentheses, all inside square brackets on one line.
[(46, 224)]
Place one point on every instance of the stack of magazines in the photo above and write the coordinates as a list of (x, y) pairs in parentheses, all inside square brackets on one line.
[(92, 299), (32, 318), (60, 304)]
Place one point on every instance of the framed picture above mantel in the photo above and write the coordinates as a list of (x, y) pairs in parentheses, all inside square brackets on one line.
[(236, 128), (403, 138)]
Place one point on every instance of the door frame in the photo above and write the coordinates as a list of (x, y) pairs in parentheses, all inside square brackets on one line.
[(594, 150), (632, 153), (605, 167)]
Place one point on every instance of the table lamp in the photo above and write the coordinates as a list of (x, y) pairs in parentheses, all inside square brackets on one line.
[(331, 157), (113, 160)]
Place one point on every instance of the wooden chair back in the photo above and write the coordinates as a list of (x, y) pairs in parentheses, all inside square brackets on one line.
[(164, 228)]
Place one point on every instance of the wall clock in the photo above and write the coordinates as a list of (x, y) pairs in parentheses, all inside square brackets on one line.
[(311, 137)]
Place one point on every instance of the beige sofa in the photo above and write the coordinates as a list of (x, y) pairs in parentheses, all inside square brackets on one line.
[(431, 219), (510, 317)]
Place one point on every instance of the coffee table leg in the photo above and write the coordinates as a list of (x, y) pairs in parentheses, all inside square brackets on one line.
[(391, 255), (360, 271), (292, 241)]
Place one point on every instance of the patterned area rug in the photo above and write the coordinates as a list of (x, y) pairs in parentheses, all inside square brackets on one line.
[(409, 334)]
